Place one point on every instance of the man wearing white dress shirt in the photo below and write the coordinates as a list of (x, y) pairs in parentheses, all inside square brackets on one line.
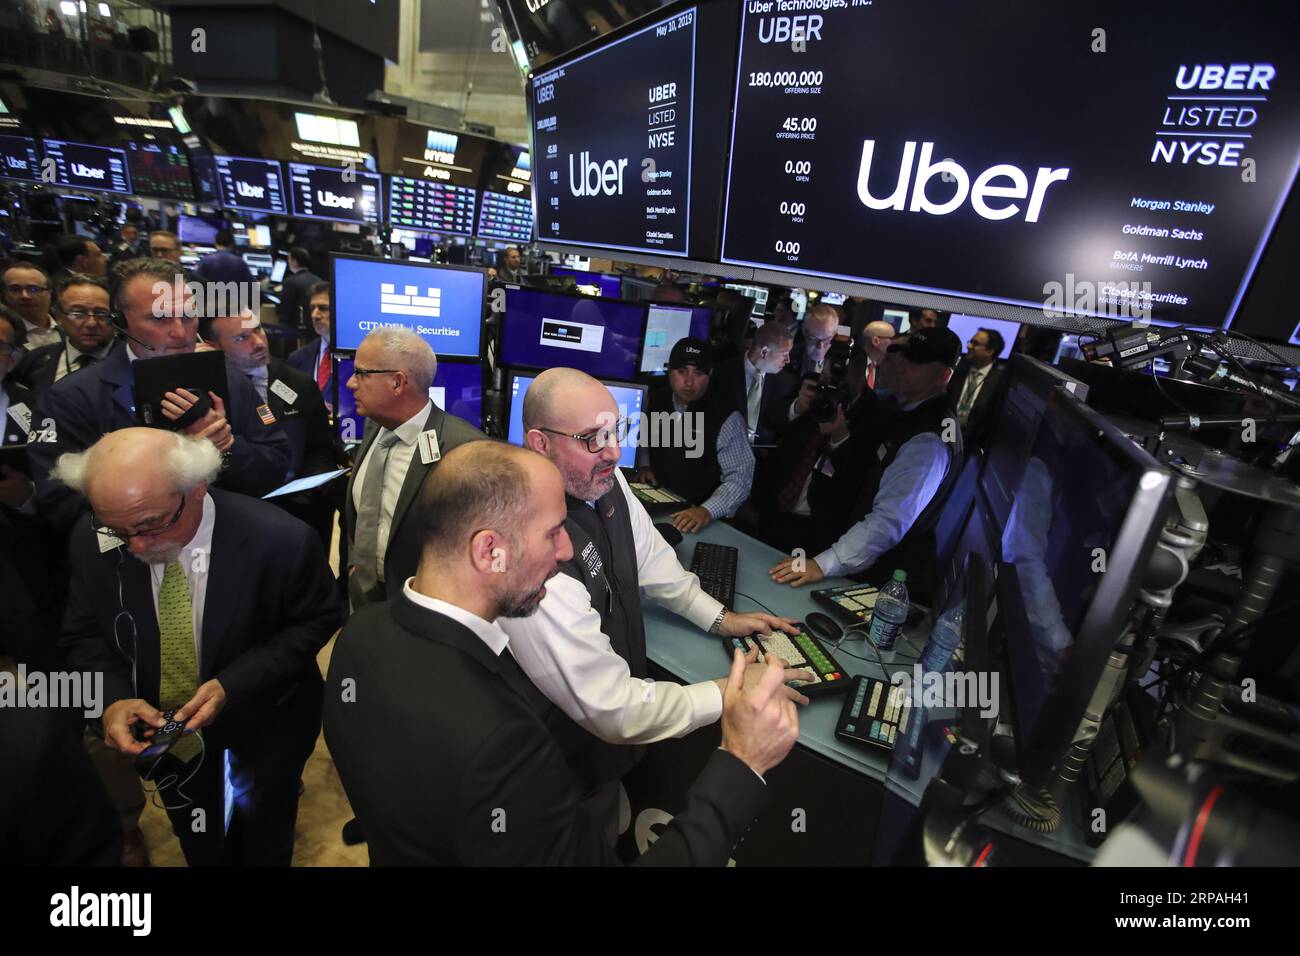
[(393, 373), (975, 385), (81, 305), (27, 291), (211, 604), (584, 648)]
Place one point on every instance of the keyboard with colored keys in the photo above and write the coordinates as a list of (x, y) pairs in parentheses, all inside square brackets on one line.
[(657, 500), (850, 604), (800, 650)]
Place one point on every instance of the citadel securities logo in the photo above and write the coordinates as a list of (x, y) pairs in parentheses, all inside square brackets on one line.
[(594, 177), (981, 191)]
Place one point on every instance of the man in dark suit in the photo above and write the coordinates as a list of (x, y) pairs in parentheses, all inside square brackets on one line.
[(297, 406), (295, 291), (160, 320), (313, 359), (976, 385), (392, 376), (754, 386), (224, 265), (81, 308), (212, 604), (446, 749)]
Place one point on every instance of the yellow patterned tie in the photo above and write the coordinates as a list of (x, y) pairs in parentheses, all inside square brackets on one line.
[(179, 677)]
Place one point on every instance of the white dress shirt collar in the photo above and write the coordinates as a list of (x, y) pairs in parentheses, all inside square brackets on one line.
[(409, 431), (487, 631)]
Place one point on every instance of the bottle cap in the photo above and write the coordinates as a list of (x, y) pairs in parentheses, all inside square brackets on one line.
[(900, 574)]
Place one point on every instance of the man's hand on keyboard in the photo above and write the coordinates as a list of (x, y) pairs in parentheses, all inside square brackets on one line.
[(784, 573), (692, 519), (754, 674), (743, 625)]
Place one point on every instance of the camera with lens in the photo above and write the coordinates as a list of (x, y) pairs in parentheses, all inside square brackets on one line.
[(831, 390)]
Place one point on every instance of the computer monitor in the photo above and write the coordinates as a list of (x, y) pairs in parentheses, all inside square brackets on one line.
[(758, 293), (607, 286), (259, 262), (250, 184), (601, 337), (629, 398), (19, 159), (442, 304), (1086, 512), (160, 169), (200, 230), (278, 268), (457, 388), (666, 325), (967, 325), (83, 166)]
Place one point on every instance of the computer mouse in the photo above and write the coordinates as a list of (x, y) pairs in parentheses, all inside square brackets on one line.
[(671, 534), (823, 627)]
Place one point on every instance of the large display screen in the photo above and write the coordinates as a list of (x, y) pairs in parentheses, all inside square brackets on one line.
[(431, 206), (161, 170), (19, 159), (253, 185), (1101, 159), (601, 337), (83, 166), (441, 304), (612, 142), (342, 195), (509, 218)]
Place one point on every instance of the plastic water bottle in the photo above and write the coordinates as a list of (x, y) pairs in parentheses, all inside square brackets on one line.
[(890, 612), (944, 639)]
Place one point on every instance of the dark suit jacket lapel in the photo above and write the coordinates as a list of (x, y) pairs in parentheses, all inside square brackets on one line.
[(117, 375), (224, 582), (414, 474), (137, 593)]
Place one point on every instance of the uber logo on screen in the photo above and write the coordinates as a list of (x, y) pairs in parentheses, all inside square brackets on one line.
[(249, 190), (327, 198), (594, 177), (87, 172)]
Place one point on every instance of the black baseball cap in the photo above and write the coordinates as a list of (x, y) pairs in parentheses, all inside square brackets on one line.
[(930, 345), (692, 351)]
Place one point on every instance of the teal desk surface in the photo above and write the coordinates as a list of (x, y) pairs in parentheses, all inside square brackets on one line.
[(692, 656)]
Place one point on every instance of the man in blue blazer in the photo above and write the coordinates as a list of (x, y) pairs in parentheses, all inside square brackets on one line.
[(79, 410), (313, 359)]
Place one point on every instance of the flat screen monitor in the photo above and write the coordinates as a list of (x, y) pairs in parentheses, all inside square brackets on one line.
[(19, 159), (618, 177), (1086, 512), (547, 329), (253, 185), (629, 398), (160, 169), (82, 166), (259, 237), (457, 388), (847, 161), (967, 325), (505, 218), (339, 195), (278, 268), (606, 286), (200, 230), (758, 293), (665, 326), (431, 206), (441, 304)]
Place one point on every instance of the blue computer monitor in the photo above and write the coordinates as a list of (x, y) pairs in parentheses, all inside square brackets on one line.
[(665, 326), (629, 398), (200, 230), (442, 304), (611, 287), (251, 184), (548, 329), (457, 388), (967, 325), (85, 166)]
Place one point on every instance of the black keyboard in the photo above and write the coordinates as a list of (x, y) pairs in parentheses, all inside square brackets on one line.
[(715, 565)]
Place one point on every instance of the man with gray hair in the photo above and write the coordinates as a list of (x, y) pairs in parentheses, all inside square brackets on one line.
[(406, 435), (208, 606)]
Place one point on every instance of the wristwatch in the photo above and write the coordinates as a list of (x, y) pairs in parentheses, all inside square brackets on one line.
[(716, 626)]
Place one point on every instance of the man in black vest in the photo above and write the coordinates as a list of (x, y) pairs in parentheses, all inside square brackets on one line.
[(918, 462), (712, 465), (445, 748), (584, 648)]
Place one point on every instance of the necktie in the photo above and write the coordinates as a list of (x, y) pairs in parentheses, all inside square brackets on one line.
[(368, 560), (179, 671), (323, 372), (967, 397), (259, 383), (871, 375), (753, 402), (85, 360)]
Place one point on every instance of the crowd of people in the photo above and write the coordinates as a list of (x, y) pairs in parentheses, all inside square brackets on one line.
[(489, 596)]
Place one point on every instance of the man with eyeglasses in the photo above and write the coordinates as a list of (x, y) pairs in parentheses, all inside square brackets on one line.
[(406, 435), (584, 648), (81, 306), (165, 245), (210, 603), (27, 292), (160, 319)]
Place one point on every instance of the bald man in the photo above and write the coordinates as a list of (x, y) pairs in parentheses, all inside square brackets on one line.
[(584, 648), (448, 753), (209, 604)]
